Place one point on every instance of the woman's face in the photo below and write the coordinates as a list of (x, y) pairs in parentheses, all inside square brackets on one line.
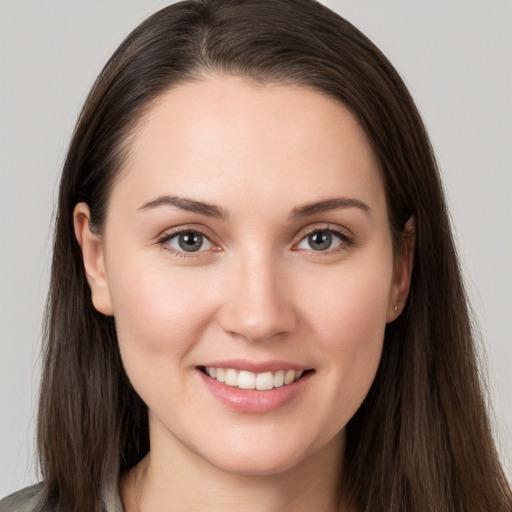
[(247, 237)]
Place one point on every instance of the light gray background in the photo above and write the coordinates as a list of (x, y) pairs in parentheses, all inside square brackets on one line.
[(455, 56)]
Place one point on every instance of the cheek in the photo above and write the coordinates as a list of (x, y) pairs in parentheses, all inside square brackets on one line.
[(348, 317), (350, 304), (159, 312)]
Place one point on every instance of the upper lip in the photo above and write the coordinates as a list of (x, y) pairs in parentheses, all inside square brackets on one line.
[(256, 366)]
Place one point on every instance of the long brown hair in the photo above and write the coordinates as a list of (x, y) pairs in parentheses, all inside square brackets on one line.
[(421, 440)]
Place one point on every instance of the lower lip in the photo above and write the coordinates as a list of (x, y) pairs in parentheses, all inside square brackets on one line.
[(254, 401)]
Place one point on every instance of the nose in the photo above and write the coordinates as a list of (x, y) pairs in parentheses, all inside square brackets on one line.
[(258, 305)]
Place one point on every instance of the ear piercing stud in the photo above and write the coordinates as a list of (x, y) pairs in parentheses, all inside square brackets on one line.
[(395, 309)]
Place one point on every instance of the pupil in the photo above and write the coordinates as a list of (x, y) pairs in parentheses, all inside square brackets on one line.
[(320, 241), (190, 241)]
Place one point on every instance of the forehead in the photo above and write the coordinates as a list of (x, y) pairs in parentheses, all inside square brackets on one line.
[(222, 138)]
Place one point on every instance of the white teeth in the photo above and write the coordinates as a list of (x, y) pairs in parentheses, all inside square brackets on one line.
[(289, 376), (246, 380), (220, 374), (279, 379), (264, 381), (231, 377), (249, 380)]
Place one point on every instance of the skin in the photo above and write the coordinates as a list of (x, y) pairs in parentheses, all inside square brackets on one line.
[(259, 291)]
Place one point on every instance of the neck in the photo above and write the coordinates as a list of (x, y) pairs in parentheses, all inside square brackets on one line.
[(173, 478)]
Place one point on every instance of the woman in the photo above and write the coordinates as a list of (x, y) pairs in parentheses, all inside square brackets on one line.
[(255, 301)]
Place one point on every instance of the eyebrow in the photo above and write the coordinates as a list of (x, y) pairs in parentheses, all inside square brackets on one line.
[(328, 205), (189, 205), (211, 210)]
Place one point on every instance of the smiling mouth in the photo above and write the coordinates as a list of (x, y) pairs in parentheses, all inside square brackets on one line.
[(243, 379)]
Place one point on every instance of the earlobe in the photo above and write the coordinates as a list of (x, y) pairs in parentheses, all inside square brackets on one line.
[(402, 271), (93, 259)]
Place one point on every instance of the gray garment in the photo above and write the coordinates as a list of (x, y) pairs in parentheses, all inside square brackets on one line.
[(26, 500), (30, 500)]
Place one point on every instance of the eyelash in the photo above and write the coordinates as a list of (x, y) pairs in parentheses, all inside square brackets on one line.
[(346, 240), (164, 240)]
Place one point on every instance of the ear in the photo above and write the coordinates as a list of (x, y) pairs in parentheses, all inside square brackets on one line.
[(94, 260), (402, 271)]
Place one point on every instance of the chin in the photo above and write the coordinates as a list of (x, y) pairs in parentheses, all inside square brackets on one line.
[(260, 465), (260, 458)]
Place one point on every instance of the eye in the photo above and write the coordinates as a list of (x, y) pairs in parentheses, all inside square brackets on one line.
[(187, 241), (323, 240)]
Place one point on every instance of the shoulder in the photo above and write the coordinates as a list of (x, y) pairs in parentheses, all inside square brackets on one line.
[(26, 500)]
